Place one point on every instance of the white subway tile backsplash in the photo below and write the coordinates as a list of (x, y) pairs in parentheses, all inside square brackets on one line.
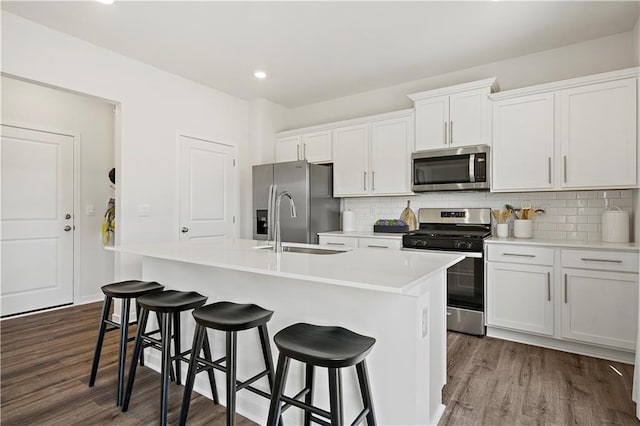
[(575, 215)]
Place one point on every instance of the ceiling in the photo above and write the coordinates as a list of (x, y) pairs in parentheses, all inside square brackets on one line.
[(315, 51)]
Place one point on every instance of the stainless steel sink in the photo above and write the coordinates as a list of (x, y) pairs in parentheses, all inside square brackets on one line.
[(305, 250)]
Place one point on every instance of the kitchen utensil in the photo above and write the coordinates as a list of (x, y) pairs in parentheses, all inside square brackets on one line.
[(408, 217)]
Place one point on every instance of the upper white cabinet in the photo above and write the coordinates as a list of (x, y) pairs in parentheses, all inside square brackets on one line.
[(574, 134), (315, 147), (598, 134), (373, 158), (523, 143), (453, 116)]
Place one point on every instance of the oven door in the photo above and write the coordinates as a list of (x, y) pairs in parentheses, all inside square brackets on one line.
[(465, 284)]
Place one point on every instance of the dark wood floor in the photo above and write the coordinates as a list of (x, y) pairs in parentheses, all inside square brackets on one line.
[(46, 357)]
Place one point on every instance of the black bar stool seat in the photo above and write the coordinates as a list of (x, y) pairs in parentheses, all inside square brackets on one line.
[(167, 305), (230, 318), (125, 290), (320, 346)]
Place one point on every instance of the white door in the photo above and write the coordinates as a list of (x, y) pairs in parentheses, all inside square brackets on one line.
[(432, 123), (468, 118), (391, 156), (206, 179), (288, 149), (37, 220), (351, 161), (316, 147)]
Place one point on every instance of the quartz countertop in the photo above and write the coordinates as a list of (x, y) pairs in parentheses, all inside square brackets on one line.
[(393, 271), (363, 234), (593, 245)]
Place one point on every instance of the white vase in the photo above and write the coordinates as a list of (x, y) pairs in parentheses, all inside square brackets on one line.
[(502, 230), (523, 228)]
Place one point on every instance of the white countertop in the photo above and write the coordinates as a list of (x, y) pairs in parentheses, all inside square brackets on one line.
[(392, 271), (593, 245), (363, 234)]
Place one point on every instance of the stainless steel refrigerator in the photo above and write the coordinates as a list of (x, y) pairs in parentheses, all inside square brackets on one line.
[(311, 186)]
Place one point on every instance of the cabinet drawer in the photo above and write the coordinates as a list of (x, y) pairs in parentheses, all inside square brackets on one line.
[(380, 243), (350, 242), (600, 259), (520, 254)]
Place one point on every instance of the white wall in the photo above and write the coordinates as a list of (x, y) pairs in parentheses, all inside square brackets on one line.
[(154, 106), (590, 57), (93, 121)]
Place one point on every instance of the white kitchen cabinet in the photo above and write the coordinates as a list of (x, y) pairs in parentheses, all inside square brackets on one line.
[(360, 242), (338, 241), (373, 158), (600, 307), (520, 297), (598, 134), (315, 147), (453, 116), (380, 243), (522, 145)]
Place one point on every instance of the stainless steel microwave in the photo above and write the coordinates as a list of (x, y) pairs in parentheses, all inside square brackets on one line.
[(451, 169)]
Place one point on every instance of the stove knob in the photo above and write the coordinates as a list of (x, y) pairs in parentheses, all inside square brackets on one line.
[(422, 243)]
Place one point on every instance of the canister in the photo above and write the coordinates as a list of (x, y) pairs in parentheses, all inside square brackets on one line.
[(615, 225)]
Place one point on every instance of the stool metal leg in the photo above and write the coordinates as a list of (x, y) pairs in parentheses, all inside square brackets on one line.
[(176, 344), (106, 306), (212, 380), (335, 397), (308, 398), (232, 342), (365, 391), (124, 336), (198, 339), (165, 367), (137, 349), (278, 387)]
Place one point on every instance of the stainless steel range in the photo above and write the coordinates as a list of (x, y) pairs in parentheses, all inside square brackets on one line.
[(460, 231)]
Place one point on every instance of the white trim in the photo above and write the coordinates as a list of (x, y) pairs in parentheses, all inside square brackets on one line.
[(492, 83), (567, 84), (343, 123)]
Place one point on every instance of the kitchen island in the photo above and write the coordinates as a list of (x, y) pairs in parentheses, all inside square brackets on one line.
[(397, 297)]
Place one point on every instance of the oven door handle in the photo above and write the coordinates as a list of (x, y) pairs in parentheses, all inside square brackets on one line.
[(474, 254), (472, 168)]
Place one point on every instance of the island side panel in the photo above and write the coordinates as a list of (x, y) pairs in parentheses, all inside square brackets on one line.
[(406, 369)]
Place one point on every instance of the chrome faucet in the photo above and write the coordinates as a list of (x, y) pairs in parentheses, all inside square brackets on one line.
[(273, 221)]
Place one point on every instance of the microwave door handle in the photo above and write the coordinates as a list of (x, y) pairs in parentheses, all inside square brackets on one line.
[(472, 168)]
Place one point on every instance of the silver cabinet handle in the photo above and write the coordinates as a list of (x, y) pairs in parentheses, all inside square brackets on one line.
[(304, 151), (518, 255), (298, 152), (586, 259), (564, 168), (549, 286), (445, 133), (549, 167), (373, 181), (451, 133), (334, 244), (565, 289), (375, 246), (364, 180), (184, 230), (67, 228)]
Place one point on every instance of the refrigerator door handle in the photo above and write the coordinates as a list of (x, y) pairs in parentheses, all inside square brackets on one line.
[(273, 190)]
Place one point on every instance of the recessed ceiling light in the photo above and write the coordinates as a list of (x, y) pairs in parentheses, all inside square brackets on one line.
[(105, 1), (260, 74)]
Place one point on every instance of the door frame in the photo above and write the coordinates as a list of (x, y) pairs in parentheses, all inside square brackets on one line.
[(77, 217), (234, 184)]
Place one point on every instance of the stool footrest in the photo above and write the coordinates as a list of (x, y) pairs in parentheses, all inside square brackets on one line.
[(299, 404), (318, 420), (297, 396), (361, 417), (246, 383)]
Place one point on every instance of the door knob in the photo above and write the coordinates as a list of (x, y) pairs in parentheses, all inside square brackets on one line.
[(184, 230), (67, 216), (67, 228)]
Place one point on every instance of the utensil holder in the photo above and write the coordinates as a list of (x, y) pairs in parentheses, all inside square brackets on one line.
[(502, 230), (523, 228)]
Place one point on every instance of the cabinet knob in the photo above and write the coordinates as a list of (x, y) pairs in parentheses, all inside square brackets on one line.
[(67, 228), (184, 230)]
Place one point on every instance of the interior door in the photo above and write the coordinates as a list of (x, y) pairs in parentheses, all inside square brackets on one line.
[(206, 178), (37, 220)]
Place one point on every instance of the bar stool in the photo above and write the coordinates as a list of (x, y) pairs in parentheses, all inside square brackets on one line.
[(125, 290), (230, 318), (168, 304), (317, 346)]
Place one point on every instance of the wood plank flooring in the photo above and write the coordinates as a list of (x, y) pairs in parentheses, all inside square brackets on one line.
[(45, 360)]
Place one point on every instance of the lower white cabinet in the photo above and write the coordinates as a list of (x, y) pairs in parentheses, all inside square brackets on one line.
[(520, 297), (600, 307), (360, 242)]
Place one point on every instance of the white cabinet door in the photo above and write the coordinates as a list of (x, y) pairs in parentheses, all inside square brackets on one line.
[(522, 148), (600, 307), (469, 118), (338, 241), (598, 135), (432, 123), (351, 161), (316, 147), (288, 149), (520, 297), (380, 243), (391, 156)]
